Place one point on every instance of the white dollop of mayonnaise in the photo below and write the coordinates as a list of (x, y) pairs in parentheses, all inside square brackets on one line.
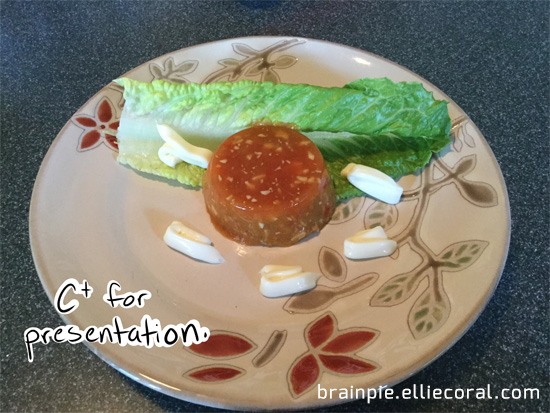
[(373, 182), (177, 149), (191, 243), (281, 280), (370, 243)]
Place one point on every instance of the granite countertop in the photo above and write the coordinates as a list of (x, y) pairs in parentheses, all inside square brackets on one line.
[(491, 58)]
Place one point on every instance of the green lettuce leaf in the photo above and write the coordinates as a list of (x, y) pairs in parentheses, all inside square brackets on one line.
[(394, 127)]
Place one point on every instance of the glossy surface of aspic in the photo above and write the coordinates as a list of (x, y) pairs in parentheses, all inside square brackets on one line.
[(268, 185)]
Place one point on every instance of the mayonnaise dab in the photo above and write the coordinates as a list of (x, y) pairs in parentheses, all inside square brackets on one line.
[(191, 243), (373, 182), (177, 149), (281, 280), (370, 243)]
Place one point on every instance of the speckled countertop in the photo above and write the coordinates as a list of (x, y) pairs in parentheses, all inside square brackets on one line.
[(491, 58)]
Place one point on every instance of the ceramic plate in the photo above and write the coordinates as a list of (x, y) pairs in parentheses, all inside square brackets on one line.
[(368, 324)]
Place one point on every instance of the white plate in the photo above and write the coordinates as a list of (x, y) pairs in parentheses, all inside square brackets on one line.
[(369, 324)]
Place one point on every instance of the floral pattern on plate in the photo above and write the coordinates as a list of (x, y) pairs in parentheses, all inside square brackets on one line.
[(330, 350), (370, 324), (99, 128)]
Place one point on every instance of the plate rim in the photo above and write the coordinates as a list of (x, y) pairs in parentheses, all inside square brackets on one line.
[(452, 338)]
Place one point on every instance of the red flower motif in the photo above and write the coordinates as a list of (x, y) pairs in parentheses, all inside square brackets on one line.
[(305, 374), (330, 349), (220, 345), (101, 128), (223, 345), (214, 373)]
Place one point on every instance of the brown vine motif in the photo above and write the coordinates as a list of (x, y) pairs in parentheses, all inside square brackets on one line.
[(432, 308), (172, 72), (271, 349), (260, 63), (460, 132), (322, 296), (333, 267)]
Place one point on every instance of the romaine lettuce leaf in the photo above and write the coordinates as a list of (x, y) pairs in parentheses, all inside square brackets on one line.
[(394, 127)]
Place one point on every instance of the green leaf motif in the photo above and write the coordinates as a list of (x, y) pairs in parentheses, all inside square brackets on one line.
[(430, 311), (156, 71), (229, 62), (187, 67), (244, 49), (461, 255), (347, 210), (398, 289), (285, 61), (381, 214), (420, 314)]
